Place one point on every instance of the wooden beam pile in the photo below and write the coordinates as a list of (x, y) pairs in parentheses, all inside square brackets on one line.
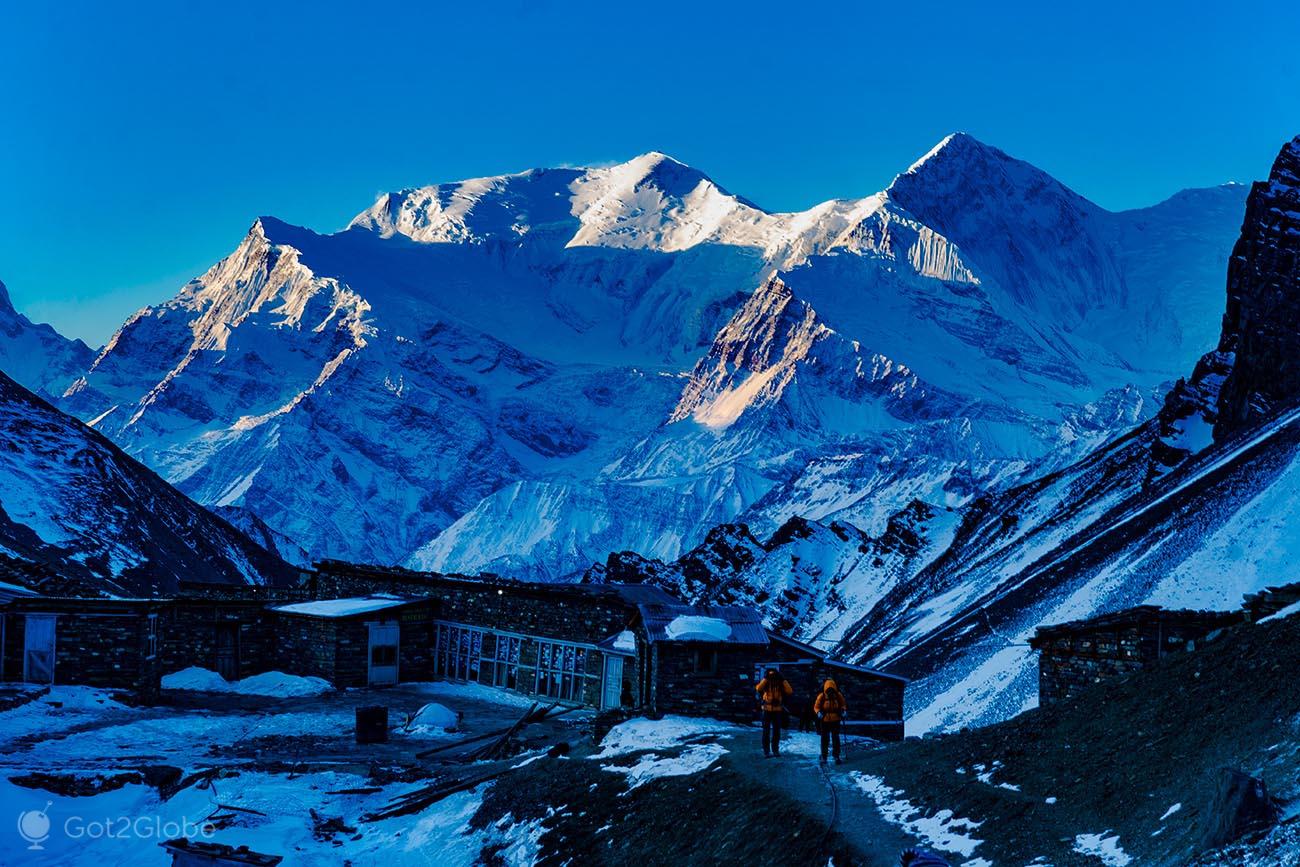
[(499, 740)]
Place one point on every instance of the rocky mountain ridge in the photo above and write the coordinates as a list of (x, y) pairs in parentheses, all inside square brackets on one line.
[(524, 373), (85, 512), (1184, 510), (35, 355)]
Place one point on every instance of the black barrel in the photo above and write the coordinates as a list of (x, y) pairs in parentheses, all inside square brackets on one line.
[(372, 725)]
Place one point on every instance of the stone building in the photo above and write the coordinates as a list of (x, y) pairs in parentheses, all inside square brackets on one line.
[(223, 628), (109, 643), (1073, 656), (374, 640), (611, 646), (1271, 602), (614, 647)]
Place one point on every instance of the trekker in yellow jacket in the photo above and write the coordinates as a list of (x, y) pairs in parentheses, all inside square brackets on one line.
[(773, 689), (830, 707)]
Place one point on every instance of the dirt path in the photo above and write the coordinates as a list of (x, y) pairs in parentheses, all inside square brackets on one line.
[(797, 774)]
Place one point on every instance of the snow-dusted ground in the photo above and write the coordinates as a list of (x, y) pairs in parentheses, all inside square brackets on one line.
[(950, 834), (86, 733)]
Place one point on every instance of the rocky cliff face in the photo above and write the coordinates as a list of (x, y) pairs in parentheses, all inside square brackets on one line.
[(1261, 328), (1253, 371)]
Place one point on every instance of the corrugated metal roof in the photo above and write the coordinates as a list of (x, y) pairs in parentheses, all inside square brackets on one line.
[(732, 624)]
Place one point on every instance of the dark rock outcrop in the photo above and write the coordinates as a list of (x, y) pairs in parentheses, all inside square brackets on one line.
[(1255, 369), (1261, 327)]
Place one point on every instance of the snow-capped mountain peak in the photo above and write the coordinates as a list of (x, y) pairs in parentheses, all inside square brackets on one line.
[(36, 355), (484, 371)]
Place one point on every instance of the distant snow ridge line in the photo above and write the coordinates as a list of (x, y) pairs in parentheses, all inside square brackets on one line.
[(37, 356), (526, 372)]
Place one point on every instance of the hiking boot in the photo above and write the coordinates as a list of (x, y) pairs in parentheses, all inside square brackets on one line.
[(822, 760), (767, 755), (838, 760)]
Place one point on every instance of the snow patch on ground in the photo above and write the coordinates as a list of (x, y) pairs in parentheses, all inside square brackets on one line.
[(643, 734), (651, 766), (1107, 849), (275, 684), (63, 707), (433, 719), (473, 692), (1292, 609), (943, 830)]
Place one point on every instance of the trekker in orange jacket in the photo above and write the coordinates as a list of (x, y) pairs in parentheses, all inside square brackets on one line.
[(830, 707), (773, 689)]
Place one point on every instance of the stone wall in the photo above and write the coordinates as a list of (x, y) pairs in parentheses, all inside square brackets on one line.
[(725, 692), (305, 646), (1070, 664), (565, 613), (1076, 659), (193, 625), (871, 699), (101, 645), (728, 692), (338, 648)]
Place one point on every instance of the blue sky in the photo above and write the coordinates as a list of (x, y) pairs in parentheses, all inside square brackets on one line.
[(137, 143)]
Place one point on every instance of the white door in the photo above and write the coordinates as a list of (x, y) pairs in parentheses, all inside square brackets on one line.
[(383, 653), (38, 648), (612, 694)]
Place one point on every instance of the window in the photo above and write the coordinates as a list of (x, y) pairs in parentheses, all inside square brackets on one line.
[(458, 651), (506, 661), (706, 661), (562, 671), (383, 654), (151, 638)]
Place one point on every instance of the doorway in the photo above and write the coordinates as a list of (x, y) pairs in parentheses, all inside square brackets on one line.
[(38, 648), (612, 691), (383, 653), (228, 651)]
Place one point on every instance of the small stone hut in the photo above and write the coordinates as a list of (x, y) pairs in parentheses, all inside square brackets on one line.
[(106, 643), (1075, 655), (375, 640), (223, 628)]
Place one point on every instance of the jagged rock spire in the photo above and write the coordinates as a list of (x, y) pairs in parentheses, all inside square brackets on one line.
[(1261, 328)]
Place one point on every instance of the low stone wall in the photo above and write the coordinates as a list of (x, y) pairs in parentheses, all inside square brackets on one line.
[(1074, 657), (306, 646)]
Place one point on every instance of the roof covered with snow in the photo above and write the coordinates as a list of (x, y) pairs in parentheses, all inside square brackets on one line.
[(623, 642), (347, 607), (715, 624)]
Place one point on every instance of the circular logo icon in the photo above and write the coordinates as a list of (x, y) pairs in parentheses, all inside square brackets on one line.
[(34, 826)]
